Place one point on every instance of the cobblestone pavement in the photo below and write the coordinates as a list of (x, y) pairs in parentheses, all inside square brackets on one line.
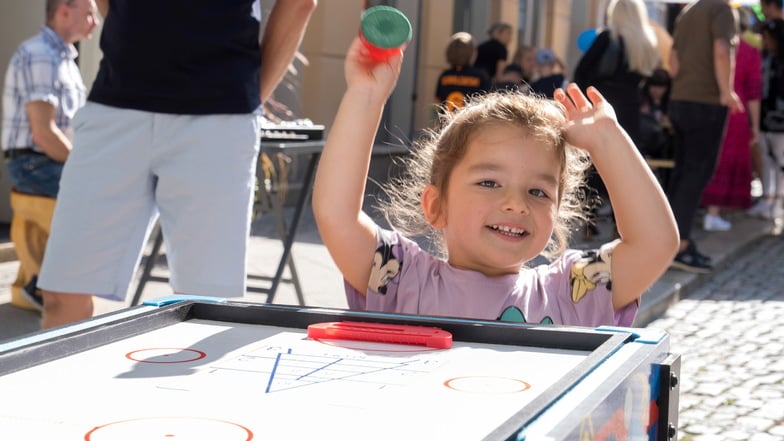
[(730, 334)]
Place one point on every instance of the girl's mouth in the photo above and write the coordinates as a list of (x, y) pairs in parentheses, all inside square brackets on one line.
[(508, 231)]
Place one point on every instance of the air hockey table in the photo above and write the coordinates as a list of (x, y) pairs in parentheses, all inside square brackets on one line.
[(209, 369)]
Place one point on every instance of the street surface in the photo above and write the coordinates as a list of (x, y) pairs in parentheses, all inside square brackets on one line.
[(730, 334)]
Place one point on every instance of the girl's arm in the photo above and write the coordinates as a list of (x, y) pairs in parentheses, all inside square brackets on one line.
[(649, 234), (348, 233)]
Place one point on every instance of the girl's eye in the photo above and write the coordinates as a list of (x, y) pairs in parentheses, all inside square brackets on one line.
[(538, 193), (488, 183)]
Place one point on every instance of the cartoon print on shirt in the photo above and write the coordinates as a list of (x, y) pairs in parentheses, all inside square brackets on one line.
[(514, 315), (593, 268), (385, 265)]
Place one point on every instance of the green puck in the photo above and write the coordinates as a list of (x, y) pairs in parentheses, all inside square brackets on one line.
[(385, 27)]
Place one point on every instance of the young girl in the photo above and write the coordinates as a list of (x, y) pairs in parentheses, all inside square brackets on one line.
[(497, 184)]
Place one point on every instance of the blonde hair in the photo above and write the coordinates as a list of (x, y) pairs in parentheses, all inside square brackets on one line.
[(629, 19), (436, 155)]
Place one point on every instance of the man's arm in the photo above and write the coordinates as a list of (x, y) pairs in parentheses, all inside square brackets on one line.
[(500, 65), (284, 31), (674, 64), (45, 132), (753, 109), (724, 68)]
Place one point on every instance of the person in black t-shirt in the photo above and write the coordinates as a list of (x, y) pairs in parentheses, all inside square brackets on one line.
[(492, 55), (461, 80), (171, 127)]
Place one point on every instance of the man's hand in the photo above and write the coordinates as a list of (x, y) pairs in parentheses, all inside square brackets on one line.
[(732, 101), (46, 134)]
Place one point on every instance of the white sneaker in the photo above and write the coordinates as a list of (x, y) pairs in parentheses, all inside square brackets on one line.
[(762, 209), (715, 223), (777, 212)]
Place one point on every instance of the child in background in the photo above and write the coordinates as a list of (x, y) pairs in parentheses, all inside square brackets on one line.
[(512, 80), (550, 73), (461, 80), (525, 59), (497, 185), (655, 128)]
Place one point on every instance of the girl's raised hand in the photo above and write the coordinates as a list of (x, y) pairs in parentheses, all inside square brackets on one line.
[(587, 116), (378, 78)]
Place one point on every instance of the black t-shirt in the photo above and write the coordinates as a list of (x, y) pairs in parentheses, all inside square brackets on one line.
[(180, 56), (488, 54), (456, 84), (772, 105), (546, 85)]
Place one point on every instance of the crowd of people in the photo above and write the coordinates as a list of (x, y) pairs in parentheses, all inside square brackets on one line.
[(493, 199), (707, 107)]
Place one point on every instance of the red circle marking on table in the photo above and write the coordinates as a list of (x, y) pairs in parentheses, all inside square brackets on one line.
[(197, 355), (104, 432), (478, 384)]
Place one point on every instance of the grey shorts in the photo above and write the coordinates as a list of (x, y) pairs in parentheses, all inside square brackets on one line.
[(128, 166)]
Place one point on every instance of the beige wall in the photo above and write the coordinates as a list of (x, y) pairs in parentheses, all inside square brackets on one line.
[(331, 30), (434, 38), (334, 24)]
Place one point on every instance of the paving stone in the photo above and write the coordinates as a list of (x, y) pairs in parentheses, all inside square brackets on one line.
[(702, 429), (761, 436), (777, 430), (758, 424), (731, 339), (710, 389), (736, 435)]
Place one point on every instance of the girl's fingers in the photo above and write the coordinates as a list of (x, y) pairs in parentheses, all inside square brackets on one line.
[(594, 95), (560, 96), (580, 101)]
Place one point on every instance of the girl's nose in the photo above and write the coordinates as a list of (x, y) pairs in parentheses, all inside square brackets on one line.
[(515, 202)]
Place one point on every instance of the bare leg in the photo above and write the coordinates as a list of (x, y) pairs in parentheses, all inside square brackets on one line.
[(64, 308)]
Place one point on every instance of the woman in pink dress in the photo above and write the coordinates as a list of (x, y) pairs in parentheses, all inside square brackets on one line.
[(730, 187)]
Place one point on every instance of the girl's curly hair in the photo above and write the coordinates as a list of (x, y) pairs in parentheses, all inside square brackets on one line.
[(435, 155)]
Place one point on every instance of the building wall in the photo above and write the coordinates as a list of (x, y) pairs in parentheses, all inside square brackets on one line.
[(435, 33), (315, 91), (330, 31)]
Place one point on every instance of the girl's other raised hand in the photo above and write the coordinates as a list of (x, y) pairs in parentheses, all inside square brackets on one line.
[(589, 116)]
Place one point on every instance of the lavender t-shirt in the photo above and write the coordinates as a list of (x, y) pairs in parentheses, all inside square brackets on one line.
[(572, 290)]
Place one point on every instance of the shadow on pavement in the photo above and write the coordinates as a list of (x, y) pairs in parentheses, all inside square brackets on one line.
[(17, 321)]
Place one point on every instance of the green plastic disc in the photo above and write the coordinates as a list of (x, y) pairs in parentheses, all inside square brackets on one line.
[(385, 27)]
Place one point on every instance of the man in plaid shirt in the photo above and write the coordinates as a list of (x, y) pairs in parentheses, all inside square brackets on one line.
[(43, 90)]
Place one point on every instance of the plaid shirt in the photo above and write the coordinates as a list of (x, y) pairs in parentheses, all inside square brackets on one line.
[(41, 69)]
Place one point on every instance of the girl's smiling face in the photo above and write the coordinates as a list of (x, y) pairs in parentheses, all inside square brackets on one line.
[(501, 202)]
